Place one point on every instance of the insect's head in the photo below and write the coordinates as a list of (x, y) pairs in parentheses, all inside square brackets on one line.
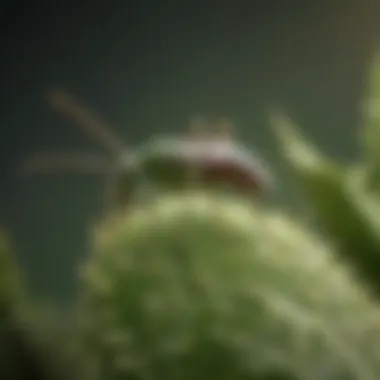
[(207, 156)]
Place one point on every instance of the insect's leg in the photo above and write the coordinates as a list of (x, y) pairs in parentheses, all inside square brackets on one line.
[(56, 162), (122, 189), (92, 125)]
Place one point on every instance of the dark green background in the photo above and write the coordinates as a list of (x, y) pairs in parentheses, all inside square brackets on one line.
[(147, 67)]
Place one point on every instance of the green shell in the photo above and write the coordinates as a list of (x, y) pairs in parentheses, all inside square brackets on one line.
[(198, 286)]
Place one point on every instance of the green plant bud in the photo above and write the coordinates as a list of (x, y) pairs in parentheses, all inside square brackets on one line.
[(198, 286)]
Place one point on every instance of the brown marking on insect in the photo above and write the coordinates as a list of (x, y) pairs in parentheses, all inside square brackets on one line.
[(231, 173), (217, 158)]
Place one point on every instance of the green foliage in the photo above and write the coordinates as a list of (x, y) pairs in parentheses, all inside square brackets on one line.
[(10, 279), (35, 341), (345, 199), (198, 286), (371, 131)]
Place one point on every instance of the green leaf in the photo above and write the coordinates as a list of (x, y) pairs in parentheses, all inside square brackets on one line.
[(371, 109), (339, 200), (10, 281)]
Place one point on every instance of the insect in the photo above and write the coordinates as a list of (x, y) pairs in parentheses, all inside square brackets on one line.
[(207, 156)]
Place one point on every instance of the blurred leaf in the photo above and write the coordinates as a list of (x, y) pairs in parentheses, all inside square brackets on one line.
[(10, 280), (339, 201), (371, 128), (36, 341)]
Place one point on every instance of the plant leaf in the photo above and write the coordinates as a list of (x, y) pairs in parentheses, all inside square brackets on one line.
[(339, 202)]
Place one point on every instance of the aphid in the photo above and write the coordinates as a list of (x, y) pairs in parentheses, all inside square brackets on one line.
[(204, 157)]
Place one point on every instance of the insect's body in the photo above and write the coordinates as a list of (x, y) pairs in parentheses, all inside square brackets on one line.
[(206, 161), (179, 164), (201, 159)]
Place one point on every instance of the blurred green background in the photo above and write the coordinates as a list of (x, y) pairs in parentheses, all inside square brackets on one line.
[(147, 68)]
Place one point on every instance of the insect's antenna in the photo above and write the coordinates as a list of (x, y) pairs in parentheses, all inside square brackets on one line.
[(55, 162), (62, 101)]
